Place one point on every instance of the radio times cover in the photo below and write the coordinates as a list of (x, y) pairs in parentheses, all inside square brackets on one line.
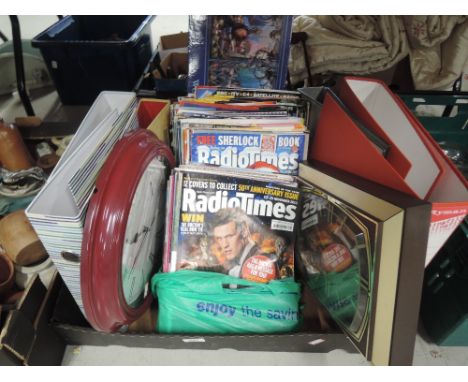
[(240, 227)]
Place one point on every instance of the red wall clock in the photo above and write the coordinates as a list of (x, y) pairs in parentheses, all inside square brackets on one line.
[(124, 224)]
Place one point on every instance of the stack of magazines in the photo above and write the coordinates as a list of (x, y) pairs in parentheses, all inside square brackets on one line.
[(241, 128), (233, 203), (231, 221)]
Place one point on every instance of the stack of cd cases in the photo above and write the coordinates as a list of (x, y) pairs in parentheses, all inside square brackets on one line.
[(58, 212)]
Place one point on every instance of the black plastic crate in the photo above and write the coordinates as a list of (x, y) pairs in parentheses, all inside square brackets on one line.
[(88, 54), (444, 305)]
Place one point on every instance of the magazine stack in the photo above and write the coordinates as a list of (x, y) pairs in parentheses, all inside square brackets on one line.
[(241, 128), (232, 222)]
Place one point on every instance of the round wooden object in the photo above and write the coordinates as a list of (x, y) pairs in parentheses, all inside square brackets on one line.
[(19, 239), (45, 270), (7, 273), (14, 155), (47, 162)]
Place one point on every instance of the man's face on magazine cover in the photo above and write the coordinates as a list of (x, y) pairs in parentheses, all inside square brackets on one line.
[(229, 239)]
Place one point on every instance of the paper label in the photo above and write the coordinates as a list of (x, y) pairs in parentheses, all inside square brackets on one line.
[(444, 221)]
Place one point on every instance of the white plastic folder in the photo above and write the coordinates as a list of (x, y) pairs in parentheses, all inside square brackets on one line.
[(58, 212), (104, 104)]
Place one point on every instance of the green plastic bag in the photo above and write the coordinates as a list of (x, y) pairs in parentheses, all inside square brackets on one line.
[(338, 292), (212, 303)]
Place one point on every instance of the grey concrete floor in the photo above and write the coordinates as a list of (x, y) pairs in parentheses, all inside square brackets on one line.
[(425, 354)]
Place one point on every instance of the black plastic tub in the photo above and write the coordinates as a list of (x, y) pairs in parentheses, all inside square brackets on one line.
[(88, 54)]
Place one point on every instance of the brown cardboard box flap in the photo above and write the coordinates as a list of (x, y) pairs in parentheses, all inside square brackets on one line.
[(27, 338), (173, 41), (173, 65), (18, 333)]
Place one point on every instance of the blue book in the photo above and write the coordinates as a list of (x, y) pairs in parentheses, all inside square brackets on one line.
[(239, 51)]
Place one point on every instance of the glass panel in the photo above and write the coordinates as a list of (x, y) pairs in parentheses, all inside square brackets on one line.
[(141, 235), (335, 247)]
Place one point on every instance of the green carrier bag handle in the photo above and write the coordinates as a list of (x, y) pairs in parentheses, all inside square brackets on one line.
[(213, 283)]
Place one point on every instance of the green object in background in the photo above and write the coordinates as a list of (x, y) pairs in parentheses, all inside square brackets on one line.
[(212, 303), (445, 117), (338, 292), (444, 305), (8, 205)]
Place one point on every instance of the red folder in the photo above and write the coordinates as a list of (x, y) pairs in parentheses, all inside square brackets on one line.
[(340, 142), (148, 110), (154, 114), (414, 164)]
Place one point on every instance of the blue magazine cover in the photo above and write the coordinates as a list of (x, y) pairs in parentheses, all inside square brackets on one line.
[(239, 51), (264, 151)]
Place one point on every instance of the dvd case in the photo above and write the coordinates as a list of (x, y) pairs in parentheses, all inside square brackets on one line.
[(239, 51), (227, 222)]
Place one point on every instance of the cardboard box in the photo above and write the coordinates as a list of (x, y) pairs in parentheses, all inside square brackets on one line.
[(399, 281), (153, 114), (69, 323), (173, 65), (160, 78), (174, 41), (26, 337), (387, 318)]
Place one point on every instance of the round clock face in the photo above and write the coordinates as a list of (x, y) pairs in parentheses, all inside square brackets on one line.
[(141, 236), (124, 224)]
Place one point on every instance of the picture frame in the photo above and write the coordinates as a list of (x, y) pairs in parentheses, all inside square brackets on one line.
[(361, 252), (239, 51)]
